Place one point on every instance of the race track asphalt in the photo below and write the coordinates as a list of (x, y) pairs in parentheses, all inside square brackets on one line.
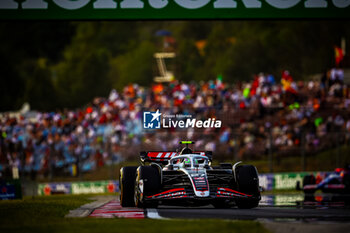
[(272, 213), (285, 213), (323, 207)]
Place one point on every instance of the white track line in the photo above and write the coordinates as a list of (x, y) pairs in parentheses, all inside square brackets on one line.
[(153, 213)]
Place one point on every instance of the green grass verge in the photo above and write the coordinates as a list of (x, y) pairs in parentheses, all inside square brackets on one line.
[(46, 214)]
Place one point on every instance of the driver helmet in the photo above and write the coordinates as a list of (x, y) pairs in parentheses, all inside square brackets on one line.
[(187, 162)]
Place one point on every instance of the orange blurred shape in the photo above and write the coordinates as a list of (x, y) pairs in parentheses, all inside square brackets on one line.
[(158, 88), (200, 46), (318, 178), (318, 198), (131, 91)]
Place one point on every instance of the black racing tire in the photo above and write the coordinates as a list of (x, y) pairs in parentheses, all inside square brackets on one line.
[(126, 186), (151, 181), (248, 183), (307, 180)]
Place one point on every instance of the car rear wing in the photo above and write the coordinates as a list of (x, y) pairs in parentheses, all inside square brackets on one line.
[(164, 156)]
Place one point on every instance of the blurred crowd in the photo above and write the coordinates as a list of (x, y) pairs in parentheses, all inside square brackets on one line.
[(259, 117)]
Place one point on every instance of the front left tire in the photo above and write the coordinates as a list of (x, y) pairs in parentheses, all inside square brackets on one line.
[(147, 182), (126, 186)]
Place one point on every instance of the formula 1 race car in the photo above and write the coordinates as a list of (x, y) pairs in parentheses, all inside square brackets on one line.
[(337, 181), (187, 178)]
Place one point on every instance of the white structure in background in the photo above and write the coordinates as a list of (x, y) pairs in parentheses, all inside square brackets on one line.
[(24, 111), (165, 75)]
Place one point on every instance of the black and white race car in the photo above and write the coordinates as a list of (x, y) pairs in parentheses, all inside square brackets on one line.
[(187, 178)]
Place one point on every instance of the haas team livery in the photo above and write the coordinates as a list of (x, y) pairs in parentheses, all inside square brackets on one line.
[(187, 178)]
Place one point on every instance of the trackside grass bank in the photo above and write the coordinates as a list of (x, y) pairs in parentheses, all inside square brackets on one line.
[(46, 214)]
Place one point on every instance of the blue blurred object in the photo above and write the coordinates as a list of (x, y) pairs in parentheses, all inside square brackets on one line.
[(163, 33), (59, 164), (88, 166), (271, 79), (224, 137)]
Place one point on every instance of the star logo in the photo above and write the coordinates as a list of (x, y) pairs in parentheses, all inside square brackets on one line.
[(155, 115), (151, 120)]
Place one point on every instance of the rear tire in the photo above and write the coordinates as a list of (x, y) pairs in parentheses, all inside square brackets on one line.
[(248, 183), (147, 182), (126, 186)]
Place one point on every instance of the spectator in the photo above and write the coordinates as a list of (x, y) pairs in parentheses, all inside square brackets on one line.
[(110, 130)]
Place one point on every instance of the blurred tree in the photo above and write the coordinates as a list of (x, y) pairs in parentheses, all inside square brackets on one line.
[(39, 89), (134, 66), (82, 76), (188, 61), (12, 85), (23, 42), (217, 58), (86, 59)]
